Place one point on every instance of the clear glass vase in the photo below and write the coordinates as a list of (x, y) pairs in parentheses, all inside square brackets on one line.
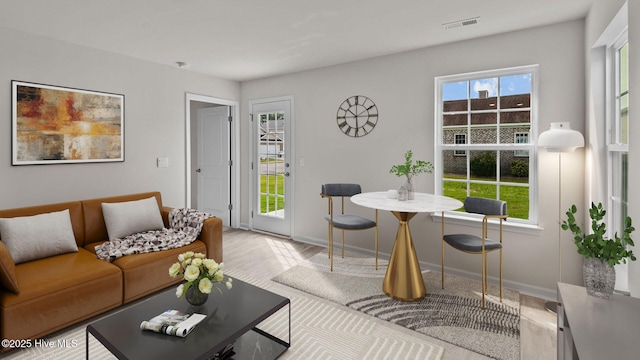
[(599, 277)]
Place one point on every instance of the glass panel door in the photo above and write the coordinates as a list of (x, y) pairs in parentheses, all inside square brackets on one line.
[(271, 176)]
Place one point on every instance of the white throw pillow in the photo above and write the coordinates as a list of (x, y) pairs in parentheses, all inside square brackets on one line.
[(39, 236), (131, 217)]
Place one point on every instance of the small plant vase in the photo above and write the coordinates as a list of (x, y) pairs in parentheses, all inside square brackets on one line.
[(599, 277), (196, 297), (408, 184), (402, 193)]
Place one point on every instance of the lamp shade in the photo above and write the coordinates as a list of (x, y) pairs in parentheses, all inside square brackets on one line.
[(560, 138)]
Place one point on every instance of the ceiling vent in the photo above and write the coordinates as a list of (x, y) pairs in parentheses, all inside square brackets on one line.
[(461, 23)]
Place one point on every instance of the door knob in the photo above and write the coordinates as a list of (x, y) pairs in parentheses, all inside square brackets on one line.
[(198, 170)]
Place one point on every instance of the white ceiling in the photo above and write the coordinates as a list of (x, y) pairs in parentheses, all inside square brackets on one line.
[(250, 39)]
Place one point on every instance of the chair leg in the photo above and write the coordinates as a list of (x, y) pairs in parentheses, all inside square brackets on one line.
[(500, 274), (329, 241), (331, 261), (376, 247), (484, 274), (331, 248), (442, 239), (376, 239), (442, 263), (343, 244)]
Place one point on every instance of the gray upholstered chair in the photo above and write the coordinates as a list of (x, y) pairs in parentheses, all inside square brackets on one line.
[(342, 221), (473, 244)]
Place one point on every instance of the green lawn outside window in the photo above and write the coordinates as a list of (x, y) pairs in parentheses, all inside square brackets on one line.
[(517, 197)]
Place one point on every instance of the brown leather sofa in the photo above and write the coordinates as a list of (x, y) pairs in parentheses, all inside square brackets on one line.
[(42, 296)]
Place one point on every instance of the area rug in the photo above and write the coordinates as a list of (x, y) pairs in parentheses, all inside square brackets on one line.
[(453, 314)]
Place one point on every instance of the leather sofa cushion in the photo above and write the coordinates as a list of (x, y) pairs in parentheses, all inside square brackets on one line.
[(146, 273), (7, 265), (50, 285), (52, 274), (8, 277)]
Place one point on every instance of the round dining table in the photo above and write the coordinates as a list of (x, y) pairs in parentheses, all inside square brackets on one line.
[(403, 279)]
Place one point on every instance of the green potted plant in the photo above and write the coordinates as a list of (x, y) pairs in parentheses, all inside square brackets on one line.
[(600, 252), (409, 169)]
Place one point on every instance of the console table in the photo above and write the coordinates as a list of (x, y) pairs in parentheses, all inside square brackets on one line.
[(590, 328)]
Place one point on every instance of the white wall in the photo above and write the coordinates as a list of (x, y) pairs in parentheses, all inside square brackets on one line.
[(154, 121), (634, 146), (402, 86)]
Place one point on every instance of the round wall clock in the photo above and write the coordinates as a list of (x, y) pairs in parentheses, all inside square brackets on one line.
[(357, 116)]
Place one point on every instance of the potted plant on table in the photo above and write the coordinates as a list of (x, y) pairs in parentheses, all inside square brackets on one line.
[(600, 252), (200, 275), (409, 169)]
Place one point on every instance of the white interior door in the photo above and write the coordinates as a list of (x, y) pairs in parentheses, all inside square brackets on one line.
[(213, 172), (271, 193)]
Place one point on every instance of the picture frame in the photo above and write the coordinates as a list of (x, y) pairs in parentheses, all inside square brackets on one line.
[(62, 125)]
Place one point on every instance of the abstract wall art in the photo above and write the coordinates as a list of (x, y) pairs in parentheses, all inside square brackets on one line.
[(58, 125)]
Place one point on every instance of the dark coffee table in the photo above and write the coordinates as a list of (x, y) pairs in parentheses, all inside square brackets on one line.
[(231, 317)]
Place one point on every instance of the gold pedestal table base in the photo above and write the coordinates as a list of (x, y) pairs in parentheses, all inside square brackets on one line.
[(403, 280)]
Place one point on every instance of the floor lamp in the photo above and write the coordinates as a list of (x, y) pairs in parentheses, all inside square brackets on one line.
[(559, 139)]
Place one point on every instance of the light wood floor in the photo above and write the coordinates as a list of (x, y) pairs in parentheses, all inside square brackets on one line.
[(263, 256)]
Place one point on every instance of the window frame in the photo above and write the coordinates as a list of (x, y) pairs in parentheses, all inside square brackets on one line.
[(614, 148), (440, 148)]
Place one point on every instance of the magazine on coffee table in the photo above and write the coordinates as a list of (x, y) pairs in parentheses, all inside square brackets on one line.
[(173, 322)]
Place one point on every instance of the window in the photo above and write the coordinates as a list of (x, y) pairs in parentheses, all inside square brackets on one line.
[(488, 117), (618, 133), (460, 139), (521, 138)]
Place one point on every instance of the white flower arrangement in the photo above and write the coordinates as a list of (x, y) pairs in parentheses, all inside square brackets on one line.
[(199, 271)]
